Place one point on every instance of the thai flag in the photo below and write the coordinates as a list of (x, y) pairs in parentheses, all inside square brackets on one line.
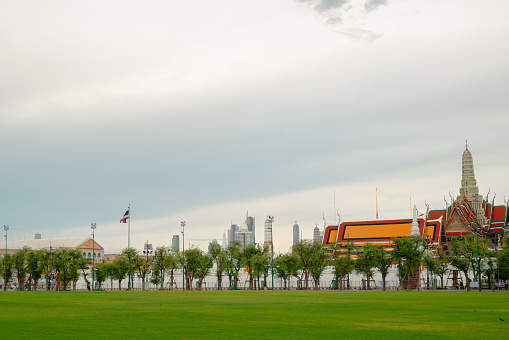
[(126, 216)]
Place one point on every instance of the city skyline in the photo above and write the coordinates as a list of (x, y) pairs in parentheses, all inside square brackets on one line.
[(200, 111)]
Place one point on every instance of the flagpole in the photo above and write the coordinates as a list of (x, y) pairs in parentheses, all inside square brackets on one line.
[(129, 244)]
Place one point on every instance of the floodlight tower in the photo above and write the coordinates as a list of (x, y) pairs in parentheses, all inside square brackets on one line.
[(6, 228), (93, 226), (183, 224)]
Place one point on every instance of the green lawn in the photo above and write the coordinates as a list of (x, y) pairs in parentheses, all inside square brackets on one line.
[(266, 314)]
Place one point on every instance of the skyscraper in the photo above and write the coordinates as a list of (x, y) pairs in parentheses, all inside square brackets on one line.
[(175, 243), (317, 235), (250, 222), (231, 233), (225, 242), (296, 237), (268, 233), (245, 234)]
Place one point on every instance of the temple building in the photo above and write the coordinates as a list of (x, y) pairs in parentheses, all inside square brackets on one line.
[(469, 214), (472, 213)]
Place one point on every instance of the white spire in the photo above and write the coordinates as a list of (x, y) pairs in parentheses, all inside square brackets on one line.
[(415, 225)]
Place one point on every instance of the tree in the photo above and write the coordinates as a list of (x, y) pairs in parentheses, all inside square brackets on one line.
[(247, 260), (443, 264), (159, 264), (119, 269), (19, 261), (432, 264), (318, 264), (259, 263), (407, 251), (77, 263), (198, 266), (365, 261), (218, 255), (7, 267), (34, 266), (503, 259), (286, 266), (46, 262), (142, 265), (67, 262), (304, 252), (102, 272), (130, 255), (233, 263), (342, 263), (491, 267), (311, 260), (464, 255), (172, 263), (383, 262)]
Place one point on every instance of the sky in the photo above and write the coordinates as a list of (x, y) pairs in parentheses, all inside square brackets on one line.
[(202, 111)]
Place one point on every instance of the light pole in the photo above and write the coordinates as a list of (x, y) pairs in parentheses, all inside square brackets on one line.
[(478, 262), (478, 257), (93, 226), (6, 227), (183, 224), (271, 220), (428, 241)]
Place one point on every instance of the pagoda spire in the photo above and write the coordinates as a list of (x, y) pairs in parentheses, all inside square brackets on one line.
[(468, 187)]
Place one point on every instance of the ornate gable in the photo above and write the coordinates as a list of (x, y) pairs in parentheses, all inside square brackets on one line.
[(456, 225)]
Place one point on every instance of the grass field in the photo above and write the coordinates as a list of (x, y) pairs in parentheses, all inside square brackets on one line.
[(265, 314)]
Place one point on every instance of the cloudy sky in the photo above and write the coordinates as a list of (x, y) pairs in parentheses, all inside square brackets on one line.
[(202, 110)]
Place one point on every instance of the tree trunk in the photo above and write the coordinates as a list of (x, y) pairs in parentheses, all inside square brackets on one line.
[(383, 280), (119, 284), (468, 280), (162, 280), (143, 282)]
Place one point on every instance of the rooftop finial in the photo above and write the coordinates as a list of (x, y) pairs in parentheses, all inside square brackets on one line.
[(376, 198), (466, 144)]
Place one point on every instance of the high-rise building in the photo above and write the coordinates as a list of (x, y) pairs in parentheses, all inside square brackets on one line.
[(175, 243), (225, 242), (267, 232), (231, 233), (250, 222), (245, 234), (296, 237), (317, 235)]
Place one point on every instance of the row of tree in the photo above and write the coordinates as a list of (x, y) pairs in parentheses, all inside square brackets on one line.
[(306, 262)]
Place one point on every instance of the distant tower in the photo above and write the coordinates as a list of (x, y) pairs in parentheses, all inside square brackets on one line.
[(175, 243), (250, 222), (316, 235), (295, 233), (468, 183), (225, 243), (232, 232), (267, 233)]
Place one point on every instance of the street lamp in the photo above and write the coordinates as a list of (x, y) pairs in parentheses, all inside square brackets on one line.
[(271, 220), (93, 226), (148, 250), (6, 227), (478, 257), (183, 224)]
